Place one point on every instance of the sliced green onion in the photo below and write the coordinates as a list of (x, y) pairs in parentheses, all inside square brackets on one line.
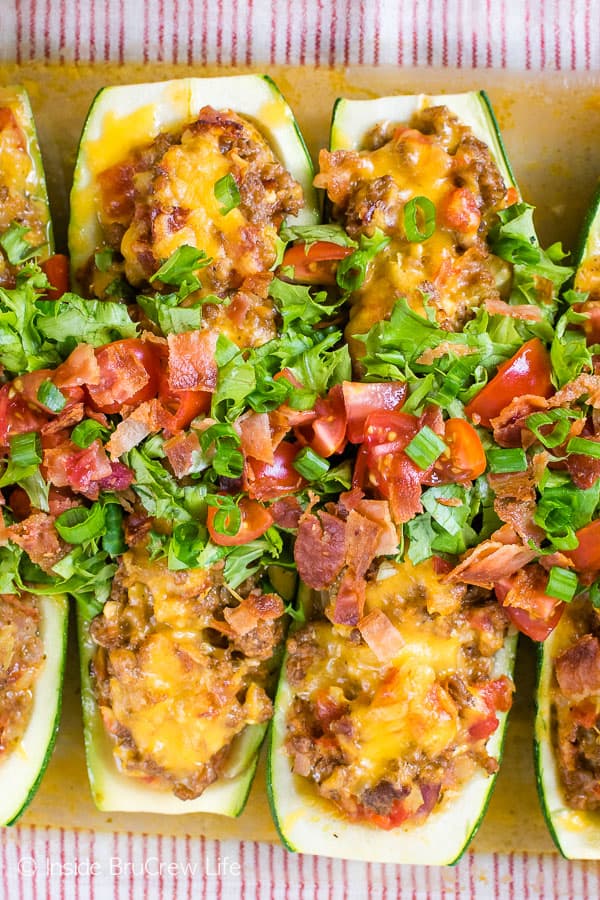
[(310, 465), (104, 259), (228, 459), (425, 448), (227, 193), (79, 524), (228, 517), (584, 446), (86, 432), (423, 208), (50, 396), (562, 584), (25, 449), (113, 540), (560, 418), (513, 460)]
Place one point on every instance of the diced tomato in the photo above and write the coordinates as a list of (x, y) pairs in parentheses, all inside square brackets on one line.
[(586, 557), (465, 459), (326, 433), (56, 269), (397, 815), (527, 605), (458, 210), (182, 406), (527, 372), (497, 694), (315, 263), (361, 400), (16, 415), (591, 326), (255, 521), (268, 481), (129, 375)]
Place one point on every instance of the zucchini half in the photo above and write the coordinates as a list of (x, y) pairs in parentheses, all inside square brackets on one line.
[(124, 117), (306, 823), (22, 770), (15, 98), (115, 791), (575, 832)]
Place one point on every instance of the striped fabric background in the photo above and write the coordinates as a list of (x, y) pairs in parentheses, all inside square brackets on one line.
[(518, 34), (560, 35)]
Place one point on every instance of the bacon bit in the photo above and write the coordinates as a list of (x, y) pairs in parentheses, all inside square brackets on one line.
[(378, 511), (54, 463), (286, 512), (585, 712), (320, 549), (584, 470), (506, 535), (583, 384), (449, 501), (362, 537), (578, 668), (489, 562), (525, 311), (119, 479), (148, 418), (69, 417), (85, 469), (181, 450), (349, 601), (136, 527), (80, 367), (192, 364), (405, 490), (515, 503), (432, 353), (510, 429), (556, 559), (433, 417), (60, 501), (37, 536), (382, 637), (255, 431), (254, 608), (124, 376)]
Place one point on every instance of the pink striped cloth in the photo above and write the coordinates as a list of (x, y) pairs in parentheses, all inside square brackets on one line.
[(502, 34), (517, 34)]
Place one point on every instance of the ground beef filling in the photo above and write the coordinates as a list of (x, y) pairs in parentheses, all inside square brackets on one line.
[(575, 707), (181, 667), (163, 196), (436, 157), (21, 659), (19, 200), (385, 742)]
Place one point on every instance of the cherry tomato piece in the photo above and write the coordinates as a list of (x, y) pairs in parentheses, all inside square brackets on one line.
[(315, 263), (255, 521), (361, 400), (465, 459), (268, 481), (527, 372), (56, 269)]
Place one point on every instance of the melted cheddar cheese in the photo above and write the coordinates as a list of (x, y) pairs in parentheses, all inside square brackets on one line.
[(171, 691), (403, 722)]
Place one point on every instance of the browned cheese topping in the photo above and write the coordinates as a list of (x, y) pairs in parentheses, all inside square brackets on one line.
[(575, 699), (163, 196), (388, 716), (18, 188), (21, 659), (182, 666), (438, 158)]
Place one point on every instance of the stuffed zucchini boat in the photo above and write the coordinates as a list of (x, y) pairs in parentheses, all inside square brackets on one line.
[(33, 627), (179, 197), (567, 749), (390, 712)]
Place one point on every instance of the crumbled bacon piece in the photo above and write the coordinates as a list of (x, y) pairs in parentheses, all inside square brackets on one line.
[(578, 668), (381, 635), (180, 450), (192, 364), (320, 549), (80, 367), (37, 536), (489, 562)]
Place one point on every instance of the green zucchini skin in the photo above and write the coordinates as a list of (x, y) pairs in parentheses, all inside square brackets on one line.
[(576, 833), (305, 823), (22, 770), (15, 97), (133, 115)]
